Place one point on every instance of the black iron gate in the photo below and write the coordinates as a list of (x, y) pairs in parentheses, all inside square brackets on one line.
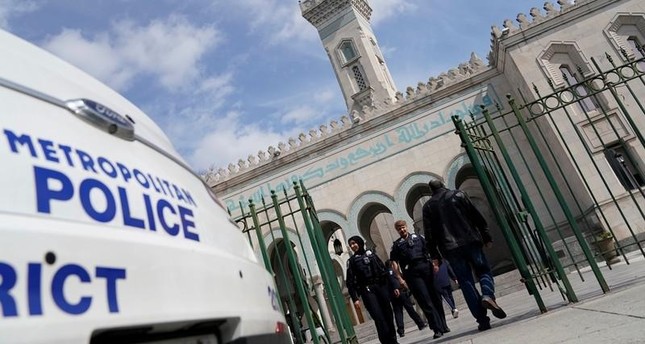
[(564, 174)]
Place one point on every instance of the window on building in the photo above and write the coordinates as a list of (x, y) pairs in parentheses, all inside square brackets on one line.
[(587, 104), (624, 167), (347, 51), (626, 31), (358, 76)]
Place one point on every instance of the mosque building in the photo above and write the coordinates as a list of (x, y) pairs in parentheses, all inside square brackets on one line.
[(372, 166)]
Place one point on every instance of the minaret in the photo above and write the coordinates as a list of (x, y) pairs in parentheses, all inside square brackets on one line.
[(345, 31)]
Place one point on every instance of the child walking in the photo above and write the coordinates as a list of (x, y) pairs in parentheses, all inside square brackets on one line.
[(442, 276)]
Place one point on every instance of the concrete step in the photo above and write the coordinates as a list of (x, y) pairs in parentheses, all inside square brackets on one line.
[(366, 331)]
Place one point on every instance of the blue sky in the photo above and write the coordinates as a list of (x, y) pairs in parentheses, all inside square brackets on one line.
[(227, 78)]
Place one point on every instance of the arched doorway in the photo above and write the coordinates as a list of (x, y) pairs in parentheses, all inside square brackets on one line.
[(499, 256), (284, 276), (376, 225)]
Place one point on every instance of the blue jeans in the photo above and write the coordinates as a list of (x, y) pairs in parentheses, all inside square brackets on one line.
[(464, 261)]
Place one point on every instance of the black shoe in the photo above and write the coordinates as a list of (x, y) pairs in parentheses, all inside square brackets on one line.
[(437, 334), (446, 329), (489, 303), (401, 334), (422, 326), (484, 327)]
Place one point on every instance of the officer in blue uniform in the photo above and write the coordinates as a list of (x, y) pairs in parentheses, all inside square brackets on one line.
[(367, 278), (410, 252)]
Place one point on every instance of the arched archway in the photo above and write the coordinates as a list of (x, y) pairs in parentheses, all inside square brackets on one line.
[(413, 192), (336, 230), (499, 257), (284, 275), (373, 215), (330, 221)]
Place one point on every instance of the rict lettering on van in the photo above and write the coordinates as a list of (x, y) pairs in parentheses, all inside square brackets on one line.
[(54, 186), (48, 150), (68, 273)]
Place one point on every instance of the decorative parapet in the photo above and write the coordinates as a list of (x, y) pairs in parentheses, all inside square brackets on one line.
[(319, 11), (453, 76), (508, 28)]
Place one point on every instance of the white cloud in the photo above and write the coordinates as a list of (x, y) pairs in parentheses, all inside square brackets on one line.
[(279, 20), (168, 50), (387, 50), (96, 56), (283, 22), (300, 115), (384, 9), (11, 8), (214, 90), (231, 140), (192, 115), (324, 96), (293, 26)]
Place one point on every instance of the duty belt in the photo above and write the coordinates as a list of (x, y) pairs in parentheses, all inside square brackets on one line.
[(374, 281), (414, 262)]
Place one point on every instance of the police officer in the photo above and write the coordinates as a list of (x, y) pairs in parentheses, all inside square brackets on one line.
[(409, 251), (366, 277)]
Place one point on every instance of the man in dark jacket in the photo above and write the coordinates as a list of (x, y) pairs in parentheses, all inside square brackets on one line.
[(457, 229)]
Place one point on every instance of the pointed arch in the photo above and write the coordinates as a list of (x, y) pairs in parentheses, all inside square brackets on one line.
[(455, 169), (304, 252), (332, 216)]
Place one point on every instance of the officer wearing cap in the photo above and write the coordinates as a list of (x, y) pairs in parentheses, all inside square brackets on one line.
[(409, 251), (367, 278)]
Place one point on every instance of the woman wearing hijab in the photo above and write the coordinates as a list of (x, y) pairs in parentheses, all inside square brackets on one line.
[(367, 278)]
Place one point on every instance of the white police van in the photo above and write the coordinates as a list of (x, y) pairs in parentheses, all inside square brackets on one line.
[(106, 236)]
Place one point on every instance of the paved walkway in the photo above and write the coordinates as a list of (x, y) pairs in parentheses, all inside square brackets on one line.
[(615, 317)]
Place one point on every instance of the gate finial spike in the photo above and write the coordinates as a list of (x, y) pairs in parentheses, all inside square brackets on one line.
[(549, 81), (579, 69), (609, 58), (624, 53)]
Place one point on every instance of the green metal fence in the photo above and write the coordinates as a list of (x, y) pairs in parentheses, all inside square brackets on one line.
[(290, 223), (564, 172)]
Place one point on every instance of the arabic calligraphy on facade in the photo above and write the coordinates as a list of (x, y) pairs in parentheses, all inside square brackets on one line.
[(426, 126)]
